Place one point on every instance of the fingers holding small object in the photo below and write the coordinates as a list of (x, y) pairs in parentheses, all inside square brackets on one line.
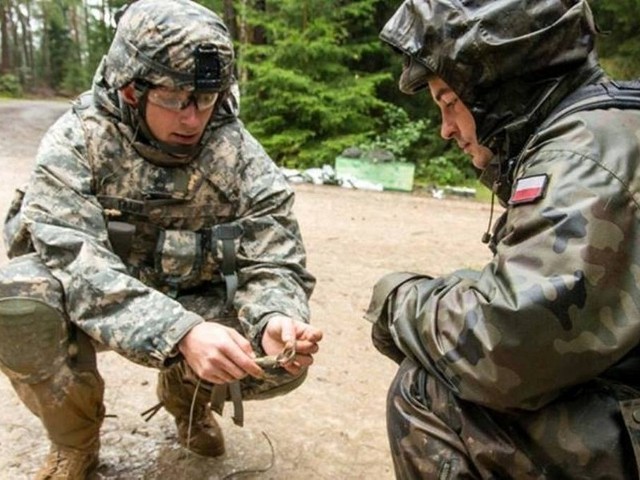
[(307, 347), (268, 361), (283, 358), (288, 353), (298, 364)]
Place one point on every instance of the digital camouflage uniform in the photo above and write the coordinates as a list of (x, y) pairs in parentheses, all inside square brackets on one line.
[(117, 242), (528, 368)]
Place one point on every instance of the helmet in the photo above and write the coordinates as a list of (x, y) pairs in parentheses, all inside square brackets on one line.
[(176, 44), (171, 43)]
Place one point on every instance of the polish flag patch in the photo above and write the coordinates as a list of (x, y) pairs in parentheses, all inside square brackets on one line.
[(529, 189)]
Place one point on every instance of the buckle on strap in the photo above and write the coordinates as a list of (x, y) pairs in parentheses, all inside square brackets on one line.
[(226, 234), (231, 391), (221, 392)]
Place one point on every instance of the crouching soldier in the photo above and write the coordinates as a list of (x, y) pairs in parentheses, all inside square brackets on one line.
[(156, 226)]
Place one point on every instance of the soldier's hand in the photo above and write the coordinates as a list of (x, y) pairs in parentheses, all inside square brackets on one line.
[(219, 354), (282, 330)]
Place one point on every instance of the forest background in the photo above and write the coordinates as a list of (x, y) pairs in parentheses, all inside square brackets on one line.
[(315, 79)]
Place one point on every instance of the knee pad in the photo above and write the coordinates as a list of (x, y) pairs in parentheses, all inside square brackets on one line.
[(33, 329), (33, 339)]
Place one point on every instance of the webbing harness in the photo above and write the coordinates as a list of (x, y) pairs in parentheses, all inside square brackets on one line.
[(220, 238), (226, 234)]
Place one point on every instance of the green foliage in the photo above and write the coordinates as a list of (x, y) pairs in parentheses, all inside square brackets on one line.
[(10, 86), (625, 62), (301, 99), (61, 46), (440, 171), (314, 75), (619, 43), (99, 36), (483, 193), (399, 134), (417, 141), (76, 79)]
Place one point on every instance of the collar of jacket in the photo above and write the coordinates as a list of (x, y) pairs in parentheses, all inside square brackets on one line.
[(511, 124)]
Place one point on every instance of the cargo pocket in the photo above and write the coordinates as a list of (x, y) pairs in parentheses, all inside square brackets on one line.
[(179, 257)]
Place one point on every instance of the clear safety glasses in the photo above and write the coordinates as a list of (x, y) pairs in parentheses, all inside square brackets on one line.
[(176, 100)]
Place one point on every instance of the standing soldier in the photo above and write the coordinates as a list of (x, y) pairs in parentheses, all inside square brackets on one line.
[(156, 226), (528, 368)]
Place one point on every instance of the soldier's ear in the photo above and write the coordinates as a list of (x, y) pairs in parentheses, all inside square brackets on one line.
[(128, 93)]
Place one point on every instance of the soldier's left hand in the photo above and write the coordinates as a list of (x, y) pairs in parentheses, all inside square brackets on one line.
[(282, 330)]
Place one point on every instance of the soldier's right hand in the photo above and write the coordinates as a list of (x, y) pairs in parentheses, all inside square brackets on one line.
[(219, 354)]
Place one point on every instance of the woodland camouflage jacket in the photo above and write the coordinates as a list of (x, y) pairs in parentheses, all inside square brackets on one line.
[(559, 303)]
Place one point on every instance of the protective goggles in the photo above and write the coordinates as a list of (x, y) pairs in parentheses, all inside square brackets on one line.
[(176, 99)]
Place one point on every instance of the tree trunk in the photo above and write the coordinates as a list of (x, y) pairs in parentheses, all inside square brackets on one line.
[(5, 62), (17, 56), (230, 20), (107, 16), (46, 52), (26, 47), (29, 47), (75, 33), (305, 15), (259, 33)]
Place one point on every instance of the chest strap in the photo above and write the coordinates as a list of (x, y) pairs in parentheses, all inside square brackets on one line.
[(227, 234)]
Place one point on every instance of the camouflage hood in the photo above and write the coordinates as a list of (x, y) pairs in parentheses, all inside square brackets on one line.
[(510, 61)]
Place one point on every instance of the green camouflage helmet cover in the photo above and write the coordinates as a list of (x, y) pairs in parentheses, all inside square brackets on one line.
[(157, 41), (479, 47)]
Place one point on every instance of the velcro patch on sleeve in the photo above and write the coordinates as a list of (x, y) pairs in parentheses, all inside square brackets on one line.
[(529, 189)]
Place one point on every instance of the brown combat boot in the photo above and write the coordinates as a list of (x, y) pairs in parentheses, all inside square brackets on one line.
[(67, 464), (205, 436)]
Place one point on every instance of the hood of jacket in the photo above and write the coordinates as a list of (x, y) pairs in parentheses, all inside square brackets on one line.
[(510, 61)]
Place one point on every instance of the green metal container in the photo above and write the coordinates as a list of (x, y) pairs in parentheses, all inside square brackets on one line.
[(391, 175)]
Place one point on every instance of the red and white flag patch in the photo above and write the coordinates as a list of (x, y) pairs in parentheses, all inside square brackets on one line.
[(529, 189)]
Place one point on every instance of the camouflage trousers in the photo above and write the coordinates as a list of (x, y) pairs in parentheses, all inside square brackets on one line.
[(52, 364), (435, 435)]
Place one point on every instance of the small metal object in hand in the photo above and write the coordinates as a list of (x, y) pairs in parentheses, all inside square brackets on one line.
[(287, 355)]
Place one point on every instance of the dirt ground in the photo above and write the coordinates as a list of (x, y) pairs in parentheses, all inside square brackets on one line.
[(333, 426)]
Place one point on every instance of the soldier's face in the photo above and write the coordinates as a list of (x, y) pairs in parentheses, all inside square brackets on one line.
[(458, 123), (182, 124), (177, 127)]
